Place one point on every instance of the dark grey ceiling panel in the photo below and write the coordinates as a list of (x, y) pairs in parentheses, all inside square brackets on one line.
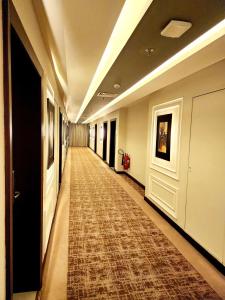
[(132, 64)]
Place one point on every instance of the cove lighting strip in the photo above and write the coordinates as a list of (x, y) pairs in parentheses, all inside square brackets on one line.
[(131, 14), (60, 78), (204, 40)]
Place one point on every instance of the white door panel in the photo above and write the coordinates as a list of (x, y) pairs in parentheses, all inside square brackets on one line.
[(205, 211)]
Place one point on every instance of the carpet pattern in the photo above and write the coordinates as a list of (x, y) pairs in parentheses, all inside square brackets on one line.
[(115, 250)]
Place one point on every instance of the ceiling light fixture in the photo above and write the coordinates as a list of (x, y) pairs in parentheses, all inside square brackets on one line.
[(116, 86), (201, 42), (175, 29), (131, 14), (148, 51), (106, 95)]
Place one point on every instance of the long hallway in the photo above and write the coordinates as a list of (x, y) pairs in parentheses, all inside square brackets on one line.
[(116, 250)]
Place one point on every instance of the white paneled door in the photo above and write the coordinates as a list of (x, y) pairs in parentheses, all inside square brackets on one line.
[(205, 211)]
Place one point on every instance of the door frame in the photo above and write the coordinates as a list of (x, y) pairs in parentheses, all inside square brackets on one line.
[(105, 140), (113, 120), (96, 136), (10, 18)]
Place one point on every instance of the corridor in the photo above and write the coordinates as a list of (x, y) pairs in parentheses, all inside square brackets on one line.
[(119, 247), (112, 150)]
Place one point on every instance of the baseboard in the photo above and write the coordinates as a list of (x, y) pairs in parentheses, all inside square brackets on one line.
[(220, 267), (47, 248), (119, 172), (51, 229), (135, 180), (131, 177), (99, 156), (53, 222)]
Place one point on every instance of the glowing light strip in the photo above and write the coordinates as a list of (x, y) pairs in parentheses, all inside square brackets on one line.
[(131, 14), (204, 40), (60, 78)]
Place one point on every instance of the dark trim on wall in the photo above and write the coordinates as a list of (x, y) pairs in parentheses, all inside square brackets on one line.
[(8, 147), (98, 155), (135, 180), (119, 172), (220, 267), (132, 178)]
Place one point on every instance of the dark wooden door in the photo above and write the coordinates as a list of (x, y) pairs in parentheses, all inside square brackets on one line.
[(89, 136), (105, 128), (96, 132), (27, 161), (112, 144)]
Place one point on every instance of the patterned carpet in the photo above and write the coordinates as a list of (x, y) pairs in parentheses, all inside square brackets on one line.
[(115, 250)]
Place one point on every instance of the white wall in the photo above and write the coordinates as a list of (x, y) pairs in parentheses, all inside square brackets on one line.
[(119, 116), (2, 176), (50, 187), (131, 136), (164, 188), (136, 138), (92, 137)]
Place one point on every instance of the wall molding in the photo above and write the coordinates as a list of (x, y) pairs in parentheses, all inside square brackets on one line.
[(159, 190), (169, 168)]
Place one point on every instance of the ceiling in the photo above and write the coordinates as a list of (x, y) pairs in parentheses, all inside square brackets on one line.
[(81, 30)]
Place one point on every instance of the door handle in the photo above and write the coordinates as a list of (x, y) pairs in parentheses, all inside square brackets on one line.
[(16, 195)]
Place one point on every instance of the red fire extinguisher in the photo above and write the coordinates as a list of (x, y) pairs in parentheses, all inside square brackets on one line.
[(126, 161)]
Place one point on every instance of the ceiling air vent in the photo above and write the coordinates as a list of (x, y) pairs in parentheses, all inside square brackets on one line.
[(106, 95), (176, 29)]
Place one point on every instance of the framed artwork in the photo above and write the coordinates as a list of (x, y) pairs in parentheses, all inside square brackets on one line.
[(51, 121), (163, 136)]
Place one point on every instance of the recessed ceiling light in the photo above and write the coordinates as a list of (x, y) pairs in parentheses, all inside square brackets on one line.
[(175, 29), (116, 86), (148, 51)]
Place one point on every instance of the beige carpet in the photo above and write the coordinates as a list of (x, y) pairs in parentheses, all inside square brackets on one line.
[(115, 250)]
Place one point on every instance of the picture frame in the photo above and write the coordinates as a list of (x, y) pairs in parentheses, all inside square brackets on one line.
[(163, 136), (50, 132), (164, 157)]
